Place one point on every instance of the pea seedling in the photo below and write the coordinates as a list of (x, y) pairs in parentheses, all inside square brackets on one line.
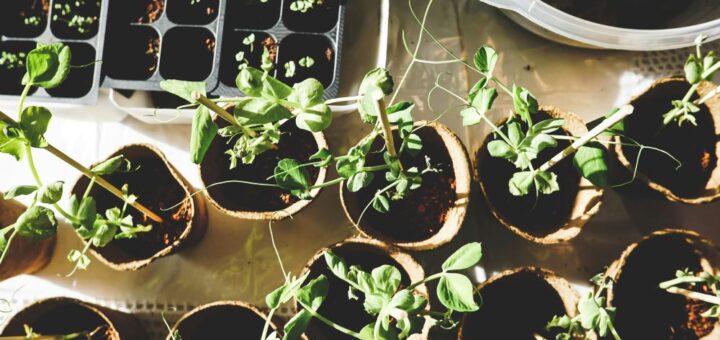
[(698, 68), (47, 67), (689, 279), (11, 61), (65, 12), (594, 315), (399, 312), (303, 6)]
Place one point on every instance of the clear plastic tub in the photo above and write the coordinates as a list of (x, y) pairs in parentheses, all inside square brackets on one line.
[(551, 23)]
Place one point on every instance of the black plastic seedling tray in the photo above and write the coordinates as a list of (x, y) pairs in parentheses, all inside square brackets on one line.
[(153, 40), (24, 23)]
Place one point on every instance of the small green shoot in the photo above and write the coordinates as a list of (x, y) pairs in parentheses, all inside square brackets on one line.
[(685, 279)]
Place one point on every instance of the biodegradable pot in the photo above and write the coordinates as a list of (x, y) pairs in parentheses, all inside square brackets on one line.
[(367, 254), (429, 216), (254, 202), (697, 147), (518, 303), (222, 320), (25, 256), (62, 316), (553, 218), (644, 311), (158, 186)]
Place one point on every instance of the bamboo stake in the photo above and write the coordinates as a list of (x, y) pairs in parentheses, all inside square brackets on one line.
[(205, 101), (695, 295)]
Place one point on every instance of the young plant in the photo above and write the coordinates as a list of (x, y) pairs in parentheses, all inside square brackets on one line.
[(594, 316), (47, 67), (685, 279), (303, 6), (11, 61), (698, 68), (30, 334), (66, 13), (399, 312)]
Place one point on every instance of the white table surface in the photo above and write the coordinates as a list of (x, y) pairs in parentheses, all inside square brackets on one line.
[(235, 259)]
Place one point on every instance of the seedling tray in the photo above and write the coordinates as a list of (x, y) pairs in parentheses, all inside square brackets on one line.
[(25, 23), (154, 40)]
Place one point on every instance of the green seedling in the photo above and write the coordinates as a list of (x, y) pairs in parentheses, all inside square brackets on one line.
[(685, 279), (303, 6), (66, 12), (11, 61)]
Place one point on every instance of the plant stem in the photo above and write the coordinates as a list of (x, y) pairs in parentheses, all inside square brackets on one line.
[(387, 129), (24, 95), (328, 183), (341, 100), (7, 246), (267, 323), (694, 295), (38, 181), (200, 98), (426, 280), (329, 322), (680, 280), (604, 125)]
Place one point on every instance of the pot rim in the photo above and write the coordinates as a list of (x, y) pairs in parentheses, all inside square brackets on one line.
[(226, 303)]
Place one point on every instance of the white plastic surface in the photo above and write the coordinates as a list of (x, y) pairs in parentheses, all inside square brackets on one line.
[(235, 259)]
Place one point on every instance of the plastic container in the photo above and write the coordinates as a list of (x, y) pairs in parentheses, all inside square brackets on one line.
[(554, 24)]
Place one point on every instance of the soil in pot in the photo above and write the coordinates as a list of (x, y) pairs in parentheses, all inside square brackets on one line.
[(233, 44), (252, 14), (75, 19), (644, 311), (297, 46), (133, 53), (694, 146), (639, 14), (192, 12), (124, 12), (13, 66), (516, 306), (221, 321), (321, 18), (423, 211), (337, 307), (537, 216), (24, 18), (60, 317), (80, 80), (157, 190), (187, 54), (295, 143)]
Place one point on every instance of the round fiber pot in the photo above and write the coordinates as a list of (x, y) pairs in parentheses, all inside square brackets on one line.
[(518, 304), (696, 147), (254, 202), (222, 320), (429, 216), (25, 256), (158, 186), (549, 219), (63, 316), (368, 255), (644, 311)]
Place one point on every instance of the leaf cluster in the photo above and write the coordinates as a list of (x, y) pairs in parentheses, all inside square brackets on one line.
[(711, 281)]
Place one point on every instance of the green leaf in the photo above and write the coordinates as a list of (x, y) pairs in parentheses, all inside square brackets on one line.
[(515, 133), (184, 89), (618, 129), (386, 279), (464, 258), (547, 126), (499, 149), (381, 204), (202, 135), (521, 182), (377, 84), (11, 144), (255, 83), (314, 119), (112, 165), (470, 116), (359, 180), (590, 160), (693, 70), (307, 92), (455, 292), (414, 144), (20, 190), (34, 122), (81, 260), (290, 176), (324, 156), (313, 294), (525, 103), (36, 223), (51, 193), (336, 264), (541, 141), (86, 212), (48, 65), (546, 182), (485, 59), (297, 325), (259, 111), (589, 311), (483, 100)]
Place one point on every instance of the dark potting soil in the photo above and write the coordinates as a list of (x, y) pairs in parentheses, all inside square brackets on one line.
[(166, 100), (157, 190), (232, 45), (693, 146), (222, 322), (252, 14), (640, 14), (133, 53), (190, 12), (341, 310), (61, 25), (58, 318), (423, 211), (515, 307), (188, 54), (122, 13), (321, 18), (80, 80), (24, 18), (294, 143), (11, 76), (318, 47), (644, 311), (537, 216)]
